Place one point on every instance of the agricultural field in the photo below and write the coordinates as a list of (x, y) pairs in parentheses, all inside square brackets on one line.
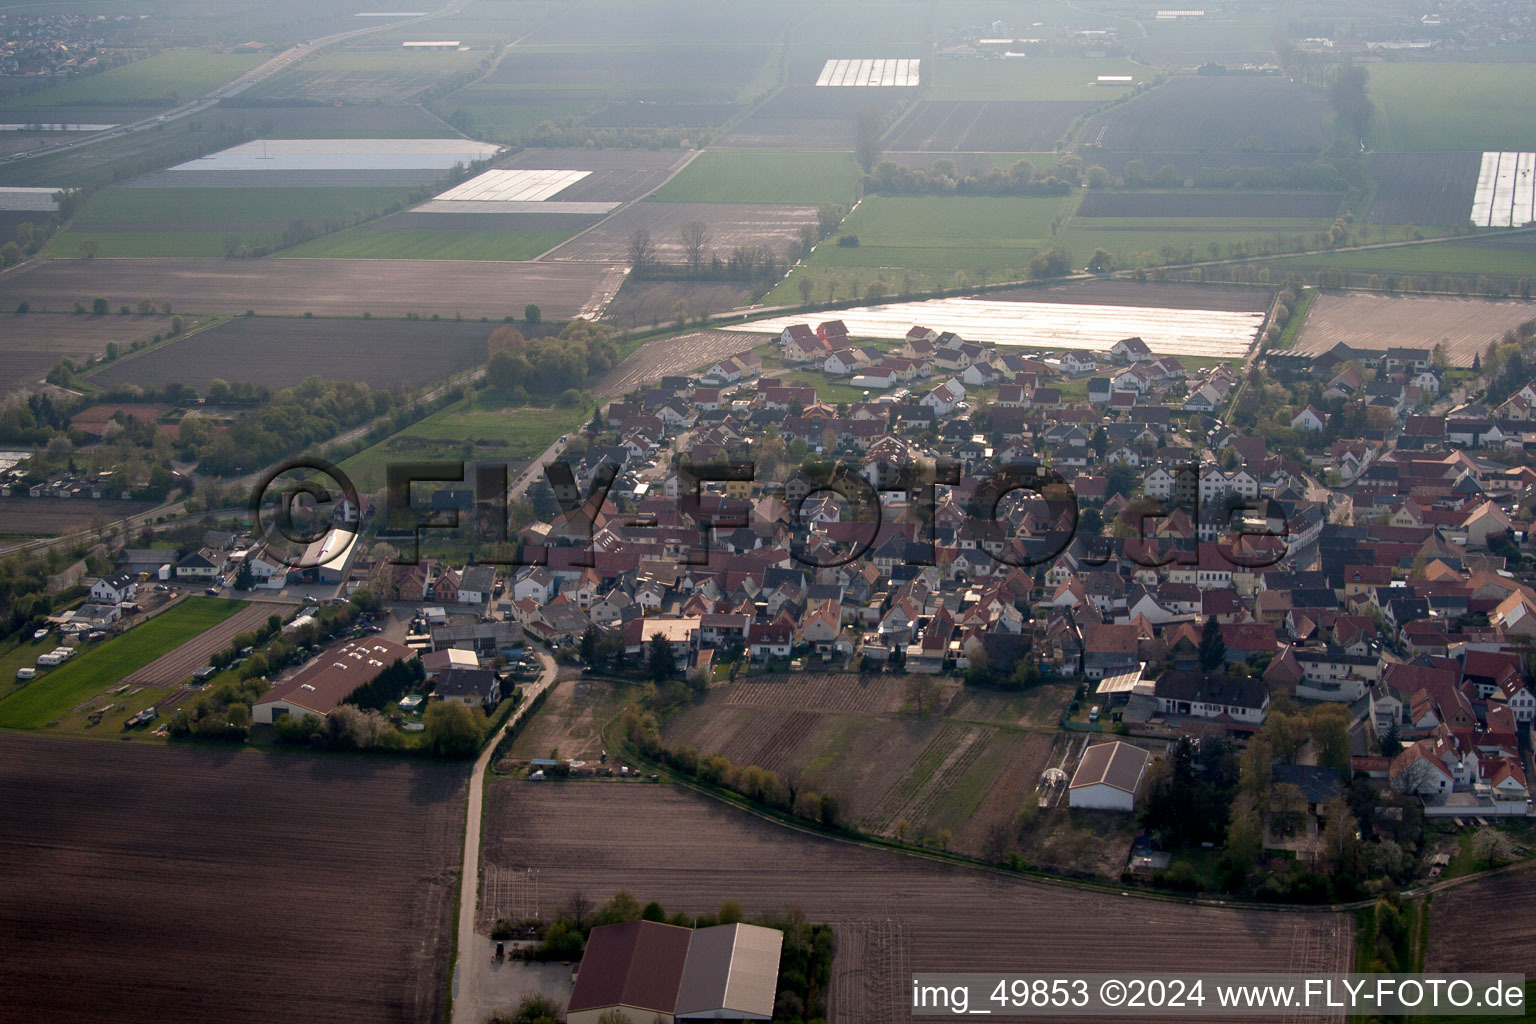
[(617, 176), (163, 80), (678, 354), (1423, 188), (1451, 106), (280, 352), (750, 176), (731, 226), (31, 344), (1220, 333), (894, 915), (504, 113), (995, 126), (350, 121), (176, 666), (1225, 119), (1448, 950), (606, 23), (323, 287), (1364, 321), (121, 157), (1262, 206), (1146, 241), (193, 222), (383, 242), (1046, 78), (188, 912), (53, 694), (803, 116), (48, 517), (571, 721), (643, 303), (657, 71), (1507, 257), (944, 233), (858, 736), (469, 430), (354, 76)]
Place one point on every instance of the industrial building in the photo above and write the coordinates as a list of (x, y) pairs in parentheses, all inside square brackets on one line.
[(1108, 776), (661, 972), (329, 679)]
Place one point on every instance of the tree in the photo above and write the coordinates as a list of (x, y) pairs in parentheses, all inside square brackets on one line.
[(1097, 177), (642, 250), (243, 578), (662, 664), (731, 913), (100, 307), (1491, 846), (1101, 262), (867, 129), (1354, 108), (453, 729), (535, 1008), (1213, 649), (589, 639), (922, 692), (1245, 834), (695, 238), (1053, 262), (89, 248), (532, 313), (804, 285)]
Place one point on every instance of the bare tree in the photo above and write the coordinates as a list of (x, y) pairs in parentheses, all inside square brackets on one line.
[(642, 250), (695, 238)]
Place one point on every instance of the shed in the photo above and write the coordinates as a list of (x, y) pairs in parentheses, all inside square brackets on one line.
[(1108, 776)]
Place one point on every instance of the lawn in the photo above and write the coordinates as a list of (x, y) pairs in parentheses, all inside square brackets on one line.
[(431, 244), (748, 176), (168, 78), (471, 430), (1451, 106), (51, 696), (1033, 79)]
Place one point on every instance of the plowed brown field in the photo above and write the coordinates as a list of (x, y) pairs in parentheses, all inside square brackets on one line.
[(160, 884)]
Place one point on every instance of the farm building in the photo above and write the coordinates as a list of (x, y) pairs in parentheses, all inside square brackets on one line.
[(326, 560), (653, 971), (330, 679), (1107, 777)]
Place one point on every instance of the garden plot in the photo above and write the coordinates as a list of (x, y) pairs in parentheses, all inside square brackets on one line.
[(1222, 334), (884, 73), (1505, 194)]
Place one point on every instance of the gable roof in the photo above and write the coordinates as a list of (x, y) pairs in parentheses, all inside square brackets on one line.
[(638, 964), (1115, 764)]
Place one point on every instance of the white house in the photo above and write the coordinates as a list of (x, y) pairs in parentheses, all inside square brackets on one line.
[(1108, 777), (1308, 419), (537, 584), (114, 589), (944, 397)]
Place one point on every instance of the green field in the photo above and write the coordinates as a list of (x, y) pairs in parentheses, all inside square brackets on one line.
[(51, 696), (505, 111), (1044, 78), (945, 233), (1452, 106), (430, 244), (1140, 242), (137, 244), (750, 176), (169, 78), (394, 59), (1461, 257), (470, 430), (203, 205)]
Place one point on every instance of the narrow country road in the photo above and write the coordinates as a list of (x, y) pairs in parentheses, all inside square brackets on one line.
[(473, 954)]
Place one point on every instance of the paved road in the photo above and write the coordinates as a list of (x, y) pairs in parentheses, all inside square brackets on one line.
[(472, 967)]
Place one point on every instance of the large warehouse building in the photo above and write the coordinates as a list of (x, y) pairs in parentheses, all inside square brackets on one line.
[(1108, 776), (651, 971), (318, 687)]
